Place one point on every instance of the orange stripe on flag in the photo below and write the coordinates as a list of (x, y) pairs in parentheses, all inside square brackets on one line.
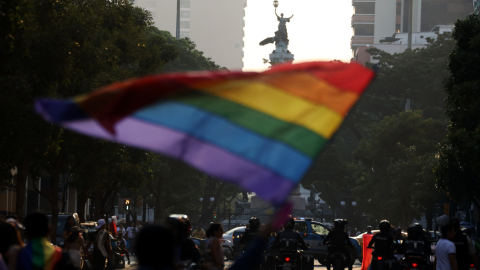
[(315, 90)]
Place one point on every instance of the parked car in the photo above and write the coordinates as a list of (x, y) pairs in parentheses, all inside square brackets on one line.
[(313, 233), (227, 241), (62, 219)]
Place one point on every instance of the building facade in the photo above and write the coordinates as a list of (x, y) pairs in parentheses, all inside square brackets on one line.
[(216, 26), (374, 20)]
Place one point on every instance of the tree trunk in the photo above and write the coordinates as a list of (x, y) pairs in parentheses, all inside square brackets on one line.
[(22, 175), (97, 211), (144, 214), (54, 183), (82, 200), (453, 209), (429, 217), (158, 204)]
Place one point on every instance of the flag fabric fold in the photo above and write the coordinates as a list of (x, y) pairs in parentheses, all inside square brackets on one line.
[(258, 130)]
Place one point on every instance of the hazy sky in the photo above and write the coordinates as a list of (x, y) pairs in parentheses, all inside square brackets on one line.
[(320, 30)]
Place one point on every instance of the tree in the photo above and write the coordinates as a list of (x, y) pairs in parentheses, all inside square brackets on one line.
[(61, 49), (394, 164), (458, 170), (189, 58), (414, 74)]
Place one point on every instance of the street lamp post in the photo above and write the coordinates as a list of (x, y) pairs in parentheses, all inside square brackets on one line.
[(177, 33)]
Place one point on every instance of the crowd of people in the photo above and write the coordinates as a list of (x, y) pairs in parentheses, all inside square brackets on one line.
[(170, 246), (156, 247)]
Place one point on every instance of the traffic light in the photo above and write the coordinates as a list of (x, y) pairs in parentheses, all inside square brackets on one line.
[(126, 203), (214, 215)]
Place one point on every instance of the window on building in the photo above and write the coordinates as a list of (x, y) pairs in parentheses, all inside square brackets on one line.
[(185, 3), (363, 30), (364, 8), (319, 229), (184, 14), (184, 34), (185, 24), (436, 12)]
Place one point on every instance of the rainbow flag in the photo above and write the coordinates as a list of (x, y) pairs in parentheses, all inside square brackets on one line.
[(39, 254), (258, 130)]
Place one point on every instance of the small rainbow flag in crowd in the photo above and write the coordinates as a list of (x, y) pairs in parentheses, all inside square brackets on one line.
[(39, 254), (259, 130)]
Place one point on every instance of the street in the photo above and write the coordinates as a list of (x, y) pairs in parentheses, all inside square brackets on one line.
[(356, 266), (134, 264)]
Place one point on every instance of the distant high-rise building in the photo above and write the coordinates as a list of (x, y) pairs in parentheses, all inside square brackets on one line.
[(216, 26), (374, 20)]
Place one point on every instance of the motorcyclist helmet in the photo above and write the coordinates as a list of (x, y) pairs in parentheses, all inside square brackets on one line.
[(384, 226), (290, 224), (178, 223), (254, 224), (420, 231), (339, 224), (413, 232)]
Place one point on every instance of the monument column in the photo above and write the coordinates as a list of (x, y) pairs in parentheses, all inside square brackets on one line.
[(281, 54)]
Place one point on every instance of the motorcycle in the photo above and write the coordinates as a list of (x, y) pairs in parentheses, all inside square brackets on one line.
[(338, 261), (118, 260), (288, 257), (381, 263), (415, 258)]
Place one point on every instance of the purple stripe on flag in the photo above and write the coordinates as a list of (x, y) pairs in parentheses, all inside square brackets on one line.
[(206, 157)]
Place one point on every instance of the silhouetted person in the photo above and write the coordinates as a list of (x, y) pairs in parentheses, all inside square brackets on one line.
[(155, 245), (39, 252)]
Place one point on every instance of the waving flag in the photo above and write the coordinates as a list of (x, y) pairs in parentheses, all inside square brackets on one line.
[(259, 130), (39, 254)]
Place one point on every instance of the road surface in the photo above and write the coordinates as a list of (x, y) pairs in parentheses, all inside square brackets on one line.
[(134, 264), (356, 266)]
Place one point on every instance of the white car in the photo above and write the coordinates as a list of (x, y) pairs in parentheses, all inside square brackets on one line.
[(227, 241)]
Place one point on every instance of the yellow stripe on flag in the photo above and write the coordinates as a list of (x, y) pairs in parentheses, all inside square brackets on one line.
[(279, 104)]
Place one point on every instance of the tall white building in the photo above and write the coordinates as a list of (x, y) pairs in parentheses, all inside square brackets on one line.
[(374, 20), (216, 26)]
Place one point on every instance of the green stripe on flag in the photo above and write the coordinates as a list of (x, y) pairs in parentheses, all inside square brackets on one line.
[(293, 135)]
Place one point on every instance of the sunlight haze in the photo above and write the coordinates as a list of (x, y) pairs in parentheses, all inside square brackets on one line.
[(319, 30)]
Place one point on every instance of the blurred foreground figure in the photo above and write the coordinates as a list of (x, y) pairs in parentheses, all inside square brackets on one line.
[(39, 253), (216, 257), (10, 244), (155, 248), (466, 257), (155, 256), (185, 252)]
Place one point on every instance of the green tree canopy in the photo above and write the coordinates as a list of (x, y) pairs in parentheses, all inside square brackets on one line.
[(458, 169)]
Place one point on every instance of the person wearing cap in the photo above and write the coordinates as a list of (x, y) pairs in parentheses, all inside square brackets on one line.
[(102, 248), (369, 230), (74, 245)]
